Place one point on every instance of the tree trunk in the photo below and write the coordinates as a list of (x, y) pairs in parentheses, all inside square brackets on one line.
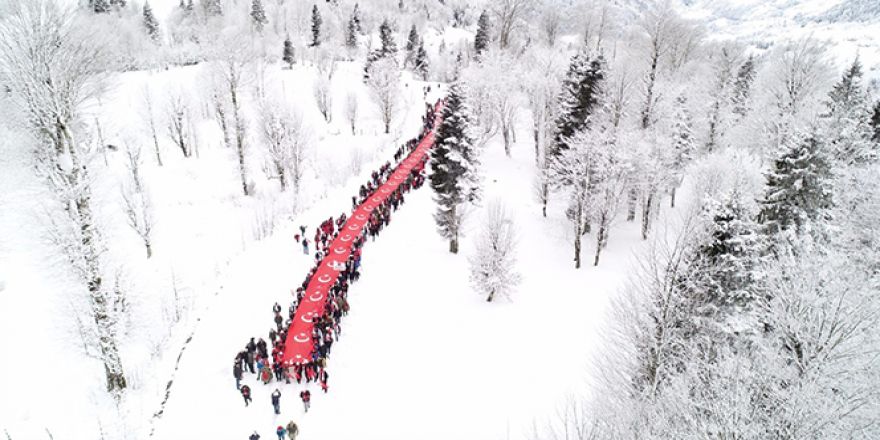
[(536, 136), (631, 203), (239, 139), (672, 198), (282, 176), (156, 143), (453, 245), (577, 247), (491, 296), (649, 94), (89, 237), (646, 215), (601, 237), (149, 247), (505, 135)]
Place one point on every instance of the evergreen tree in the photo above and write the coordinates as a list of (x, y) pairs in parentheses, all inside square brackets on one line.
[(356, 19), (118, 3), (386, 36), (742, 87), (316, 26), (719, 280), (683, 143), (454, 167), (99, 6), (412, 44), (288, 56), (726, 260), (351, 33), (258, 14), (150, 23), (188, 8), (420, 65), (481, 39), (875, 122), (798, 186), (848, 119), (580, 95), (213, 8)]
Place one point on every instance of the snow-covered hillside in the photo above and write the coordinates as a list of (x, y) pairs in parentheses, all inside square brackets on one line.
[(630, 130)]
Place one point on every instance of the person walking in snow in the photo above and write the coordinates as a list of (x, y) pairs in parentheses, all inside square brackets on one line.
[(246, 393), (236, 373), (306, 397), (254, 436), (280, 432), (305, 244), (323, 376), (292, 430), (276, 401)]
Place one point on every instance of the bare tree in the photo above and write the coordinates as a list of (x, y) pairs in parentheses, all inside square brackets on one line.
[(351, 110), (232, 71), (664, 33), (136, 200), (52, 64), (150, 116), (551, 23), (492, 265), (285, 140), (221, 114), (798, 71), (178, 124), (509, 16), (384, 86), (323, 97)]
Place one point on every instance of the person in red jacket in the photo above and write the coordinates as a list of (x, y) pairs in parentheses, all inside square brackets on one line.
[(306, 397), (323, 378), (246, 393)]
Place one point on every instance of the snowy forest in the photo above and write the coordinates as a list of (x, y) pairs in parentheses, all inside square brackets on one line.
[(651, 219)]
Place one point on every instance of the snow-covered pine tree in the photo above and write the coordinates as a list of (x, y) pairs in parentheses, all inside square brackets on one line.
[(742, 87), (212, 8), (150, 23), (798, 188), (580, 95), (99, 6), (351, 33), (420, 64), (356, 19), (723, 269), (119, 4), (848, 119), (481, 39), (412, 44), (258, 14), (682, 149), (875, 122), (492, 266), (386, 36), (454, 167), (289, 53), (316, 27)]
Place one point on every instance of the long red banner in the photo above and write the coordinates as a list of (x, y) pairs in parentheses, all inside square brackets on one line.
[(299, 345)]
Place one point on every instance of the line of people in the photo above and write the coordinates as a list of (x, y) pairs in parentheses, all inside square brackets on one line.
[(256, 357)]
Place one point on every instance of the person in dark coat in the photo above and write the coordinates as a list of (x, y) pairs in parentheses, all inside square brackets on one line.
[(292, 430), (236, 373), (254, 436), (276, 401), (246, 394), (306, 397), (280, 432)]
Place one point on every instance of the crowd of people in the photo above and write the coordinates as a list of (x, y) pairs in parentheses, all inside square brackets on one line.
[(256, 357)]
